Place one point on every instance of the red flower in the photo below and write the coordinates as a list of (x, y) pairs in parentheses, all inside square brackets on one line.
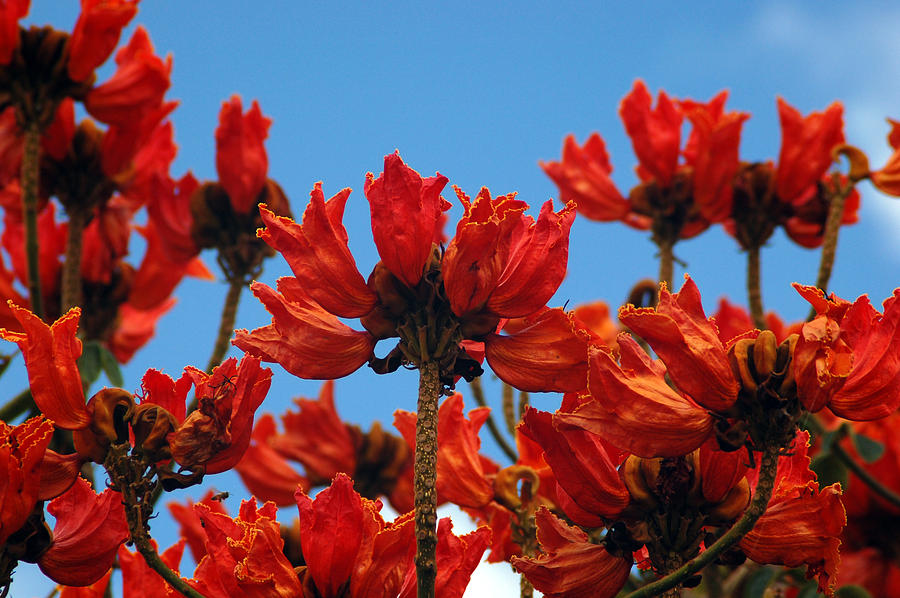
[(635, 409), (688, 343), (712, 151), (548, 354), (22, 450), (461, 469), (318, 438), (498, 253), (318, 255), (304, 338), (96, 34), (50, 355), (244, 555), (265, 473), (571, 566), (802, 524), (848, 356), (138, 86), (406, 211), (583, 465), (89, 529), (190, 524), (887, 178), (241, 159), (10, 13), (655, 133), (344, 539), (139, 580), (457, 557), (217, 433), (806, 145), (583, 177)]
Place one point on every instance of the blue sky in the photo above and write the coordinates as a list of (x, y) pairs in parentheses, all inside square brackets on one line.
[(481, 92)]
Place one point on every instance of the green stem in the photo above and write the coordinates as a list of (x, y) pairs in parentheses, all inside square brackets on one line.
[(425, 469), (18, 405), (71, 274), (754, 293), (666, 262), (767, 471), (478, 393), (31, 161), (836, 202), (867, 478), (226, 323)]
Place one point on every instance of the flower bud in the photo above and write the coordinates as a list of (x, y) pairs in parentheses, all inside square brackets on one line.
[(506, 486), (732, 505), (107, 409), (152, 424)]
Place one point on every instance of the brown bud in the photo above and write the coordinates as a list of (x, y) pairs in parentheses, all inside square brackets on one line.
[(506, 486), (732, 505), (738, 358), (151, 425), (107, 409), (859, 162), (642, 493), (765, 352)]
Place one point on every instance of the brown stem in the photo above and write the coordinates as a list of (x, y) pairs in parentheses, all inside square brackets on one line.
[(867, 478), (509, 409), (767, 470), (754, 293), (478, 393), (31, 161), (226, 324), (127, 475), (425, 468), (666, 262), (524, 400), (71, 274), (836, 202)]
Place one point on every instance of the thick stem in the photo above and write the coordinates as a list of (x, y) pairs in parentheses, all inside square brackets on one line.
[(153, 560), (226, 324), (71, 275), (754, 293), (767, 471), (478, 393), (666, 262), (867, 478), (31, 161), (509, 408), (426, 479), (836, 202)]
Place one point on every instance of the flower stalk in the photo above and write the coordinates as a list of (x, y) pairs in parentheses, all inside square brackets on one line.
[(226, 322), (31, 160), (499, 438), (767, 471), (71, 274), (426, 479), (837, 199), (754, 292)]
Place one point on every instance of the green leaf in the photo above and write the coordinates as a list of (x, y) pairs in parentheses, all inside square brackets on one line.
[(853, 592), (89, 362), (827, 440), (809, 590), (111, 367), (829, 469), (759, 581), (870, 450)]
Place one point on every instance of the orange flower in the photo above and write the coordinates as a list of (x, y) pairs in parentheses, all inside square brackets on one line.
[(10, 13), (96, 34), (89, 529), (139, 580), (241, 159), (806, 144), (50, 355), (265, 473), (406, 211), (848, 356), (655, 133), (887, 178), (22, 450), (571, 565)]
